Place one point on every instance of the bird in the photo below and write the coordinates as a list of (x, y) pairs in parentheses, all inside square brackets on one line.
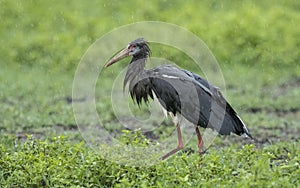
[(180, 93)]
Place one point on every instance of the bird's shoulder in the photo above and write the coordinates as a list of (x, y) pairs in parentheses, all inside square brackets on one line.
[(173, 72)]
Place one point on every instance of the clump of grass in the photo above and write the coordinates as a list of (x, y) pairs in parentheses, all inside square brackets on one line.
[(58, 162)]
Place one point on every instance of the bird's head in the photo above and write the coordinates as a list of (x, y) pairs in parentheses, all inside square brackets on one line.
[(138, 49)]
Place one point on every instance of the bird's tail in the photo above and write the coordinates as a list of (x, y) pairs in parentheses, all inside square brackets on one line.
[(245, 130), (233, 123)]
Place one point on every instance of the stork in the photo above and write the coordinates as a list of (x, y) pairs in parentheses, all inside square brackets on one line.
[(180, 92)]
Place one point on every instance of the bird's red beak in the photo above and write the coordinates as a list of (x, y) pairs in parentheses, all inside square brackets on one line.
[(124, 53)]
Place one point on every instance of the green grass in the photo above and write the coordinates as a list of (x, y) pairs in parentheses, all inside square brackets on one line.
[(255, 42), (57, 162)]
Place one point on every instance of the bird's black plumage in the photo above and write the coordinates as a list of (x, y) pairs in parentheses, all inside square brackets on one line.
[(180, 91)]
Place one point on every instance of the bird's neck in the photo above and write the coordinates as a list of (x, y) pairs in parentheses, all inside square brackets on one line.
[(139, 56), (135, 71)]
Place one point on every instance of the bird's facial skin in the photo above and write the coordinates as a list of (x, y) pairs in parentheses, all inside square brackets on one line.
[(128, 51), (133, 49)]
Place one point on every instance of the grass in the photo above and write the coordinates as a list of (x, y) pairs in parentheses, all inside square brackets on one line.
[(255, 43), (57, 162)]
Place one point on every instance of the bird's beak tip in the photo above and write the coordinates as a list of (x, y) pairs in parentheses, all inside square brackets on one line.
[(112, 61), (124, 53)]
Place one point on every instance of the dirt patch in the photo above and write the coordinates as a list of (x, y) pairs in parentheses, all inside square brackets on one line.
[(294, 82), (278, 112), (285, 88)]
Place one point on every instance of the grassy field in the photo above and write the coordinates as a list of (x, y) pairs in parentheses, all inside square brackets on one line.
[(255, 42)]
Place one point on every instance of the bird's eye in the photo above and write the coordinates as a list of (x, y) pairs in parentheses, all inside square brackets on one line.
[(131, 48)]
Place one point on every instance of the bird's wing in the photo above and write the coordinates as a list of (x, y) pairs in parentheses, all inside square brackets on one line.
[(198, 101), (172, 72), (179, 92)]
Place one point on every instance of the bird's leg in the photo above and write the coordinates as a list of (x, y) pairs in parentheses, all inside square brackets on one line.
[(200, 141), (180, 144)]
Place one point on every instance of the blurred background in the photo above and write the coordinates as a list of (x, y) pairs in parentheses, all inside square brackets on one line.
[(255, 42)]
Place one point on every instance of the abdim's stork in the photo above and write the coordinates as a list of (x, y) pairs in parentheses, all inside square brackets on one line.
[(179, 91)]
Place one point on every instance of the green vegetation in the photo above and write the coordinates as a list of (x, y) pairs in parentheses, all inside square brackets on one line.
[(255, 42), (57, 162)]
